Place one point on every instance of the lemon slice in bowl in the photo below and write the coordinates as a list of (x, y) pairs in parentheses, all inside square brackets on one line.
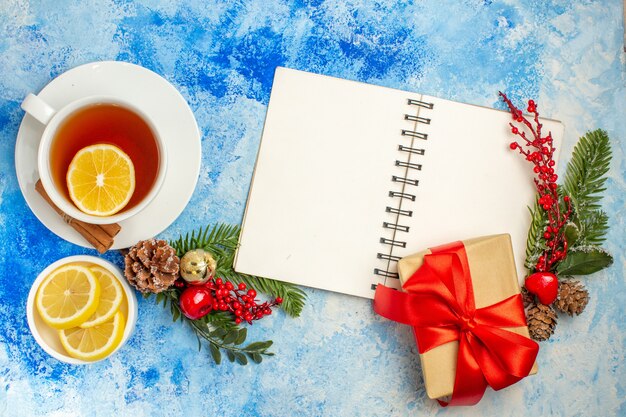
[(101, 179), (95, 342), (111, 297), (68, 296)]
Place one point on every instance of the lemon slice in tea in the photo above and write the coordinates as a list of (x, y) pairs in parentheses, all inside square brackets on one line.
[(68, 296), (101, 179)]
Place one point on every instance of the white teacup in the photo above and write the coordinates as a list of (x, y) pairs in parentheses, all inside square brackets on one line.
[(53, 119)]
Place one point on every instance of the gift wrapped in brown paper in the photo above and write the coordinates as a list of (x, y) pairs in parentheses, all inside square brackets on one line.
[(463, 300)]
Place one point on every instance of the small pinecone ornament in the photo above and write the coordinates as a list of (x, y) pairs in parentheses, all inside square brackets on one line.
[(151, 266), (541, 321), (573, 297)]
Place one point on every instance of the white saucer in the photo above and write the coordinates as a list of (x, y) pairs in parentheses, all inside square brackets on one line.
[(160, 100)]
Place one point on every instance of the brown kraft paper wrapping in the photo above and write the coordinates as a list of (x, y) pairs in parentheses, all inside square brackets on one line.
[(494, 278)]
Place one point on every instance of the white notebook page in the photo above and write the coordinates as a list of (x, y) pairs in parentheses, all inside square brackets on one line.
[(321, 185)]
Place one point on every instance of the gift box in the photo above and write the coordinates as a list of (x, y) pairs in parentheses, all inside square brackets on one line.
[(463, 301)]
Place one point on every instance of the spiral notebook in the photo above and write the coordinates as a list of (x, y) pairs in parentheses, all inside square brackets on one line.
[(351, 177)]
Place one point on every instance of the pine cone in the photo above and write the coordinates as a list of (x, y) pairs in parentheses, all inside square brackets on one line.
[(573, 297), (151, 266), (541, 321)]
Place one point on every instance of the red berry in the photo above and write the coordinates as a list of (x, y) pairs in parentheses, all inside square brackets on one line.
[(239, 312), (547, 235), (279, 300), (515, 131), (566, 199), (237, 320), (242, 286), (544, 285), (219, 281), (236, 305), (196, 302), (229, 286), (251, 294), (513, 145)]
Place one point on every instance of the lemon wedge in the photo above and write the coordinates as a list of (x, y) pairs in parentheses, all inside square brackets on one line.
[(101, 179), (95, 342), (111, 297), (68, 296)]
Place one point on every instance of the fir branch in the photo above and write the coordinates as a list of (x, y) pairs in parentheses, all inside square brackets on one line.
[(535, 244), (595, 225), (221, 241), (219, 330), (219, 319), (293, 297), (230, 342), (586, 172), (584, 183)]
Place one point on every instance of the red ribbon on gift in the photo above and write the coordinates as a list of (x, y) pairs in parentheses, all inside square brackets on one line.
[(439, 303)]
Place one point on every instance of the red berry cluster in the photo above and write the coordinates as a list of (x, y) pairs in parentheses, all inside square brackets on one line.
[(539, 150), (197, 301)]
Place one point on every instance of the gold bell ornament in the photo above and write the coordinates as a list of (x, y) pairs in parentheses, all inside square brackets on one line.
[(197, 266)]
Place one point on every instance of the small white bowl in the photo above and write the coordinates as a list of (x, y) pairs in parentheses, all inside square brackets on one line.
[(48, 338)]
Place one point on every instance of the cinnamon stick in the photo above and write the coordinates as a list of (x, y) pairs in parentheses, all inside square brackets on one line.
[(99, 236)]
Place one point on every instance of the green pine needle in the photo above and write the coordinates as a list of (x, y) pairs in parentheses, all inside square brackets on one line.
[(221, 240), (586, 172), (219, 330), (595, 226), (584, 182), (535, 244), (293, 297)]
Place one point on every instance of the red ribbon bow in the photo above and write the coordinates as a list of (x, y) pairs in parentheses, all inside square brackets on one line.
[(439, 304)]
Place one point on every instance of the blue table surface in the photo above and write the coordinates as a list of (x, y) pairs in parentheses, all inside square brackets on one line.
[(338, 358)]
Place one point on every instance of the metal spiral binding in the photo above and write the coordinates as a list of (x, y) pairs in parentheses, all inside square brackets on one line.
[(420, 103), (387, 257), (414, 134), (394, 210), (409, 149), (405, 181), (402, 195), (385, 274), (422, 120), (409, 165), (392, 242), (395, 226)]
